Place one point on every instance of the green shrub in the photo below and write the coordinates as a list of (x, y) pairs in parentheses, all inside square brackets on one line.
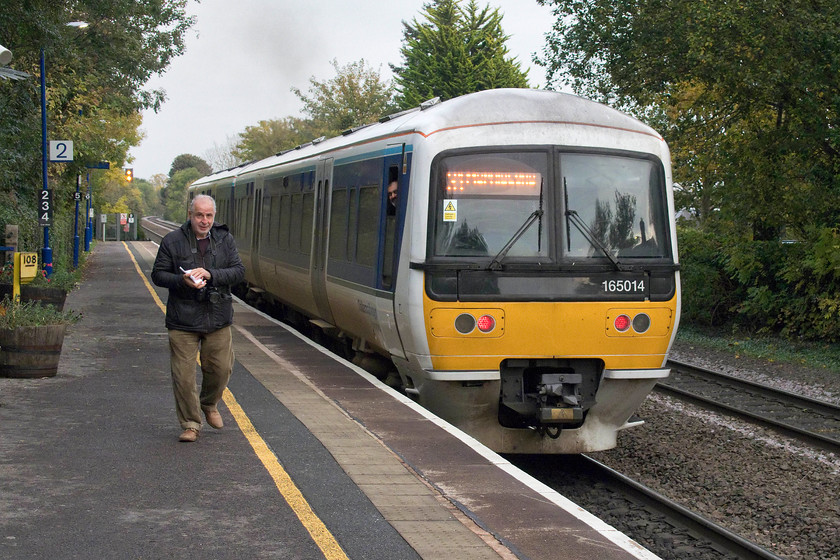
[(790, 289), (707, 292), (14, 314)]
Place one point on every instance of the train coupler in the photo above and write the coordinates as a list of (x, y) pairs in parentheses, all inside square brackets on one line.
[(547, 392)]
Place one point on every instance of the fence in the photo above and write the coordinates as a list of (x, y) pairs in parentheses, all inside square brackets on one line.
[(116, 227)]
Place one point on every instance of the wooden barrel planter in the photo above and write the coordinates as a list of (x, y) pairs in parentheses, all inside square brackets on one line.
[(29, 352), (47, 296)]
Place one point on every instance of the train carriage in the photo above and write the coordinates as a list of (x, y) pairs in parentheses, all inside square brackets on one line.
[(524, 285)]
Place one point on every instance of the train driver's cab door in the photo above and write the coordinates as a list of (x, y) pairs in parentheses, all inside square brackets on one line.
[(395, 179), (395, 202)]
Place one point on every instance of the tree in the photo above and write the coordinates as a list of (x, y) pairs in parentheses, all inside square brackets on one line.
[(749, 87), (269, 137), (115, 194), (95, 76), (95, 80), (176, 193), (155, 200), (223, 156), (357, 95), (149, 198), (186, 161), (453, 52)]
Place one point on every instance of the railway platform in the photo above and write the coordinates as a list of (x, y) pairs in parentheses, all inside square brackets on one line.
[(317, 459)]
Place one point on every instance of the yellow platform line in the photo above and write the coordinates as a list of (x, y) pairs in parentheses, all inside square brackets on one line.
[(322, 536)]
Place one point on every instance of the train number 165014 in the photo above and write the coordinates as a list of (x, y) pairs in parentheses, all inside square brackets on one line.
[(623, 286)]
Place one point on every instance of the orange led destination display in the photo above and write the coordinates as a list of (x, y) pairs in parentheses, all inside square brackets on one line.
[(492, 183)]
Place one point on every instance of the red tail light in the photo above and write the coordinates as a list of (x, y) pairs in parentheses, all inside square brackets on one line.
[(486, 323), (622, 323)]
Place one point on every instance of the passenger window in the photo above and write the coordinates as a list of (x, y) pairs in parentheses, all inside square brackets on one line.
[(297, 220), (285, 220), (306, 223), (338, 225), (368, 227)]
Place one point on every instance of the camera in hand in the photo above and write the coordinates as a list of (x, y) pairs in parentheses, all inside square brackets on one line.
[(209, 293)]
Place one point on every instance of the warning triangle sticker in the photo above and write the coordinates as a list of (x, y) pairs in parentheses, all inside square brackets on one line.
[(449, 207)]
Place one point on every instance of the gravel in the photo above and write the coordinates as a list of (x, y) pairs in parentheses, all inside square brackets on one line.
[(770, 489), (822, 384)]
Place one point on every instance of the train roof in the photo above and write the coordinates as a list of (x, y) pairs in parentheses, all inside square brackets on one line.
[(482, 108)]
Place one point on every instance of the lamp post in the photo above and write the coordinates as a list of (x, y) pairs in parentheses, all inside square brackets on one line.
[(76, 222), (47, 253), (88, 225)]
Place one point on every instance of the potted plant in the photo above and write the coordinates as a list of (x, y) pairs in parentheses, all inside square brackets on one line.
[(52, 290), (31, 336)]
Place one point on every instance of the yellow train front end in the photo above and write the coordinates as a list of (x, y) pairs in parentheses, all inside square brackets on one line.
[(544, 377)]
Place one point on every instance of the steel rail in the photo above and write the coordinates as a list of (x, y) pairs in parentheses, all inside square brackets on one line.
[(698, 526), (801, 404)]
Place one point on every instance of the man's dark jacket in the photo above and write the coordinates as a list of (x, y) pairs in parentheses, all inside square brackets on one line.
[(188, 309)]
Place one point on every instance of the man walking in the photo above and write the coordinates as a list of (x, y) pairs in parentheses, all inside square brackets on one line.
[(199, 263)]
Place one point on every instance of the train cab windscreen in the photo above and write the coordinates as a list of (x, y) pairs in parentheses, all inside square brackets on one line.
[(520, 225), (610, 204), (484, 201), (613, 204)]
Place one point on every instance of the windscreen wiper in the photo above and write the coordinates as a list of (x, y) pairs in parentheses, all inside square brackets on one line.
[(496, 263), (573, 217)]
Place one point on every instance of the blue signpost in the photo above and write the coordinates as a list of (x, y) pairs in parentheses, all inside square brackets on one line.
[(46, 254), (89, 204), (78, 197)]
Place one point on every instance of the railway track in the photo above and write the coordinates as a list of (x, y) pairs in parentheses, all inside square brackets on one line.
[(155, 228), (665, 527), (814, 422)]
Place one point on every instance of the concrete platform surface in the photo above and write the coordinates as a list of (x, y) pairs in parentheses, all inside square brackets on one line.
[(317, 459)]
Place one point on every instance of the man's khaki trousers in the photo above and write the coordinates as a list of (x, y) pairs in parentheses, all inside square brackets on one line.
[(216, 351)]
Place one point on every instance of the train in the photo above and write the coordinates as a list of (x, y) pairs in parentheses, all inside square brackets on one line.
[(510, 255)]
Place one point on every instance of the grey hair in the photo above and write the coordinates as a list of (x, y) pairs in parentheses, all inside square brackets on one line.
[(202, 197)]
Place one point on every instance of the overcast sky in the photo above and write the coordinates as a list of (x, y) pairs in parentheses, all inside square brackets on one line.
[(243, 57)]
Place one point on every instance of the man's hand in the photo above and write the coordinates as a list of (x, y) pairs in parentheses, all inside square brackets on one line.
[(196, 278)]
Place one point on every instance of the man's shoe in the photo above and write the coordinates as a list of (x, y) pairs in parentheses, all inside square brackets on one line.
[(214, 419), (189, 435)]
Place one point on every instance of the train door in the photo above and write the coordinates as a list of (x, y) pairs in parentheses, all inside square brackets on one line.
[(395, 175), (321, 234), (255, 235)]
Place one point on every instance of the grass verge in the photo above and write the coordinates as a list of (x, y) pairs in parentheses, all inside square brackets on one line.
[(819, 355)]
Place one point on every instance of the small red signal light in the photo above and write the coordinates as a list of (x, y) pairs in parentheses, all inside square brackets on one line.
[(622, 323), (486, 323)]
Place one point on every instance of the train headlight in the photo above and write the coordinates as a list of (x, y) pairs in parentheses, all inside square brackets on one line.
[(465, 323), (486, 323), (622, 323), (641, 323)]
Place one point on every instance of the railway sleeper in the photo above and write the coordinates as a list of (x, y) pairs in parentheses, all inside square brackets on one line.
[(547, 393)]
